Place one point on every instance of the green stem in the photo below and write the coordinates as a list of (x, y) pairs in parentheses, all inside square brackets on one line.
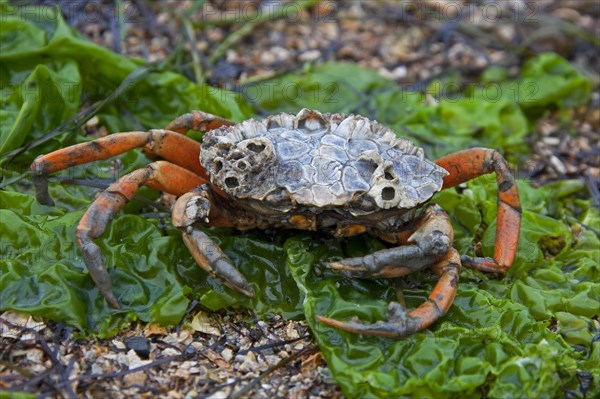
[(196, 66), (259, 16)]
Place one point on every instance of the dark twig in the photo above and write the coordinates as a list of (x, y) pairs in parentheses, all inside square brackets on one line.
[(585, 226), (191, 307), (58, 366), (273, 345), (185, 355)]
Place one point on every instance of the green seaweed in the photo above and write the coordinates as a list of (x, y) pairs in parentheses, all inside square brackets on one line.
[(527, 334)]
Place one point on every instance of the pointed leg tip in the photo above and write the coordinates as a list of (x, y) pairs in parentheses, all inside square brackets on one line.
[(381, 329), (346, 265), (352, 326), (332, 322), (47, 201), (108, 294), (43, 196), (240, 286), (112, 301), (335, 265)]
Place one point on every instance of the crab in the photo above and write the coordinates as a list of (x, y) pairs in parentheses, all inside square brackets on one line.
[(344, 174)]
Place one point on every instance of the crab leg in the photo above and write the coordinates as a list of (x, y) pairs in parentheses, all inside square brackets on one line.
[(171, 146), (431, 238), (401, 323), (160, 175), (198, 206), (198, 121), (427, 243), (469, 164)]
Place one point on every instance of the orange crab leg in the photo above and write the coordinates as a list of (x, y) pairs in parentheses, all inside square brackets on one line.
[(428, 243), (160, 175), (198, 121), (171, 146), (468, 164), (401, 323)]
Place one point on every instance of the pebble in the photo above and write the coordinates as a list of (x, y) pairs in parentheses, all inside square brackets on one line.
[(141, 346)]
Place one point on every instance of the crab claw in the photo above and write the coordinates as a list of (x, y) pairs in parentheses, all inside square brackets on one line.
[(355, 268), (350, 264), (398, 324), (387, 263), (350, 268), (212, 259)]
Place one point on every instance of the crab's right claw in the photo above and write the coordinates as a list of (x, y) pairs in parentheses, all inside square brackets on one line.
[(397, 325), (191, 209)]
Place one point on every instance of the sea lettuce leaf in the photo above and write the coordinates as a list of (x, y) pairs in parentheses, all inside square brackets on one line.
[(525, 334)]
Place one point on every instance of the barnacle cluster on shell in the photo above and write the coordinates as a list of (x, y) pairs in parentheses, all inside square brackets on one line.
[(320, 160), (240, 159)]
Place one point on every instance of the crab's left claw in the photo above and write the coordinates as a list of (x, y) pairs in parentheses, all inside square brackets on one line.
[(397, 261), (430, 241), (400, 323)]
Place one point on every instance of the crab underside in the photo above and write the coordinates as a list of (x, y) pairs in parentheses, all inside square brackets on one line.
[(309, 171)]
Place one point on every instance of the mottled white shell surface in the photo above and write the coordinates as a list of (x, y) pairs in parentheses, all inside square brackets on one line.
[(319, 160)]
